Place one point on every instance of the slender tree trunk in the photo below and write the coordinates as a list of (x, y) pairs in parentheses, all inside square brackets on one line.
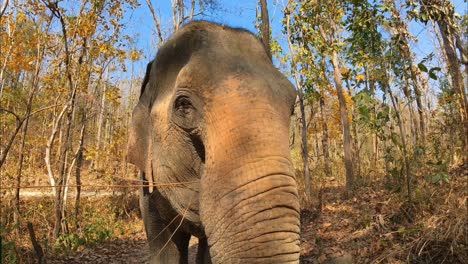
[(100, 125), (356, 145), (265, 27), (326, 154), (403, 144), (347, 138), (17, 212), (79, 163), (178, 13), (305, 151), (419, 104), (156, 22), (192, 10), (49, 147), (413, 124)]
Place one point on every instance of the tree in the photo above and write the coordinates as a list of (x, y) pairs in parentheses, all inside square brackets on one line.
[(443, 13), (300, 91), (317, 26)]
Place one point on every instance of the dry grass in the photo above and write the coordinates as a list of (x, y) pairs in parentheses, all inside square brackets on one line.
[(379, 226)]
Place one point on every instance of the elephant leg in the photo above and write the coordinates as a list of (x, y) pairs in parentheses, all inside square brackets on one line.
[(203, 252), (166, 244)]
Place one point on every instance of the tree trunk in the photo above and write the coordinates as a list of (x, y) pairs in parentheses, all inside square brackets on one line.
[(305, 151), (17, 212), (453, 63), (79, 163), (356, 147), (304, 146), (265, 27), (100, 125), (347, 138), (326, 154), (403, 144)]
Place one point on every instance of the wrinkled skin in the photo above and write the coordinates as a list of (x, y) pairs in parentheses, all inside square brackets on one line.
[(213, 118)]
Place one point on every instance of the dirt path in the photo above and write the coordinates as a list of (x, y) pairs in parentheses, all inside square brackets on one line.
[(131, 251), (118, 251)]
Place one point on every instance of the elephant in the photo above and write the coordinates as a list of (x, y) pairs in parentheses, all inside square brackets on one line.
[(210, 137)]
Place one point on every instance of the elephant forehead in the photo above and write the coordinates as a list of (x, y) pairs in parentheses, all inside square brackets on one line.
[(239, 94)]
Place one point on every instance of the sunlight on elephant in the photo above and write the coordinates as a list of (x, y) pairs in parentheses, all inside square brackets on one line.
[(210, 137)]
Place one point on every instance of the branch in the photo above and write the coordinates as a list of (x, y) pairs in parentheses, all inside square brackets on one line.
[(19, 124), (42, 109), (156, 21), (190, 18), (18, 119), (3, 9), (10, 143), (192, 10)]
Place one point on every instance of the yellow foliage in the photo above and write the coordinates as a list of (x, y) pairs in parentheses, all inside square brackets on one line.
[(360, 77), (135, 55), (344, 71), (21, 18), (104, 48)]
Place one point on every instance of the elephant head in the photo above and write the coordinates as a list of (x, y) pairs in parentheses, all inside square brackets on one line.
[(214, 114)]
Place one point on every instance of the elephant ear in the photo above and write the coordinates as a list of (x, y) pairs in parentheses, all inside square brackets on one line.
[(138, 140)]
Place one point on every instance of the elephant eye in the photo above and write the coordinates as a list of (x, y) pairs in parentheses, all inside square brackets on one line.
[(183, 107), (185, 112)]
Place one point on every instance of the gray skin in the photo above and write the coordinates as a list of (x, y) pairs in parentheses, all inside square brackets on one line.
[(213, 120)]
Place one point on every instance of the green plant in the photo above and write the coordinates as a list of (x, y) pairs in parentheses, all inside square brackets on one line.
[(439, 173), (8, 248), (97, 231)]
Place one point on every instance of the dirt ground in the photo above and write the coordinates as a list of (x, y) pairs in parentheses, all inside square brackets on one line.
[(376, 226), (131, 251)]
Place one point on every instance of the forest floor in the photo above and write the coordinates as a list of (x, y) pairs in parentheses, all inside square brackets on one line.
[(377, 225)]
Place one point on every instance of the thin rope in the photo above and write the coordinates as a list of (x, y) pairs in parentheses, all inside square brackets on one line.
[(170, 184)]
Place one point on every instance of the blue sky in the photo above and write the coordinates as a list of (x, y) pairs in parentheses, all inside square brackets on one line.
[(242, 13)]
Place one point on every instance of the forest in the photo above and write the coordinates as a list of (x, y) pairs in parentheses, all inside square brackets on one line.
[(378, 136)]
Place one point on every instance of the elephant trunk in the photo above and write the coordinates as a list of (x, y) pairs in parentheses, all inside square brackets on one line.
[(250, 207)]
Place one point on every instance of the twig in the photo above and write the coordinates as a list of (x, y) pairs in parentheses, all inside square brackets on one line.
[(164, 229), (177, 228)]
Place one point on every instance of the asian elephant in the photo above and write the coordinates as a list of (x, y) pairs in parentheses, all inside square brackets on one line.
[(210, 135)]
